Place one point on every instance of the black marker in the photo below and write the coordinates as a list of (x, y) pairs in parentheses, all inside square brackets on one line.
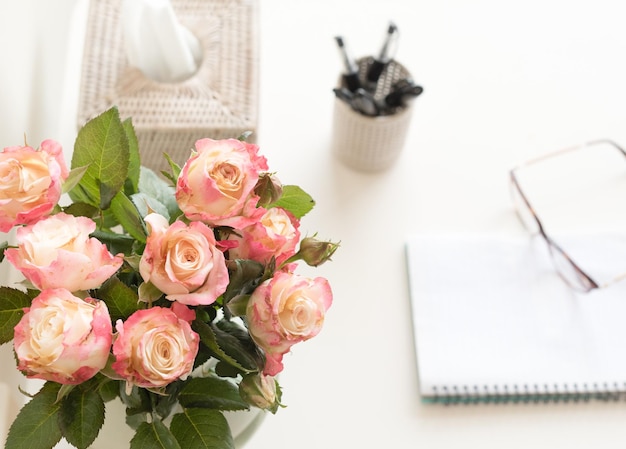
[(351, 73), (401, 92), (385, 55)]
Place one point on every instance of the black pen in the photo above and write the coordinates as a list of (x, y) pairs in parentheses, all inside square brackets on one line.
[(401, 92), (351, 73), (385, 55)]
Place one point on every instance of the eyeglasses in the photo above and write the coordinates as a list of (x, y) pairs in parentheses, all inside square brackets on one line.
[(573, 275)]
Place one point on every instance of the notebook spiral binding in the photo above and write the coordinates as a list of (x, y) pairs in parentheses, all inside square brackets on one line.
[(526, 394)]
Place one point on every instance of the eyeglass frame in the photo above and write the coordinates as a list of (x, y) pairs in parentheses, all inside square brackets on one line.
[(587, 281)]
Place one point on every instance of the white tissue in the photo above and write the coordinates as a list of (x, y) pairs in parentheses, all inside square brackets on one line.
[(156, 43)]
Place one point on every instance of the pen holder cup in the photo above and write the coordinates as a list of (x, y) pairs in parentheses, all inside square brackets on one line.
[(371, 143)]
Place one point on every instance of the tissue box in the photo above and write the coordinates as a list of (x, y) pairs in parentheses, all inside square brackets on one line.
[(219, 101)]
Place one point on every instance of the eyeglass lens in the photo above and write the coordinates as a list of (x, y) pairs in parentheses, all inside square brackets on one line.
[(572, 276), (563, 265), (578, 190), (523, 210)]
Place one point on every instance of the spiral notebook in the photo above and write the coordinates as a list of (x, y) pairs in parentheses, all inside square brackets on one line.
[(493, 321)]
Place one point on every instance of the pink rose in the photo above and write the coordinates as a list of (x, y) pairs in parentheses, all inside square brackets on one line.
[(275, 234), (183, 262), (216, 185), (57, 252), (63, 338), (286, 310), (30, 183), (155, 346)]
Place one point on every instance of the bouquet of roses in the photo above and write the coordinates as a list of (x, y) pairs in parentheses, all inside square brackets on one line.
[(176, 294)]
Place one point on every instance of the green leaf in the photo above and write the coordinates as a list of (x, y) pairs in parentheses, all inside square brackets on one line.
[(64, 391), (107, 193), (74, 177), (136, 419), (165, 403), (154, 435), (12, 304), (210, 340), (3, 247), (109, 373), (211, 392), (153, 186), (36, 426), (134, 160), (102, 146), (244, 276), (109, 390), (175, 169), (146, 204), (81, 210), (198, 428), (295, 200), (116, 243), (137, 401), (81, 417), (149, 293), (236, 341), (244, 136), (128, 216), (202, 356), (32, 293), (238, 305), (223, 369), (121, 300)]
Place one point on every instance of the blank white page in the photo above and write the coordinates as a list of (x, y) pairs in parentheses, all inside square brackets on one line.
[(491, 316)]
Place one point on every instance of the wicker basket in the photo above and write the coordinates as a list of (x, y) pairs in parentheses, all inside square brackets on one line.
[(219, 101)]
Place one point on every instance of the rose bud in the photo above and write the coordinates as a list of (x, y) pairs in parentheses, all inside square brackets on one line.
[(315, 252), (260, 391), (269, 189)]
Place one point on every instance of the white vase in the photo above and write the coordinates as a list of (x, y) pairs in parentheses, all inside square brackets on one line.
[(115, 433)]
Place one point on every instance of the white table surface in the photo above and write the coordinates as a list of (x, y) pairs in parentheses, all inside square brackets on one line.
[(503, 81)]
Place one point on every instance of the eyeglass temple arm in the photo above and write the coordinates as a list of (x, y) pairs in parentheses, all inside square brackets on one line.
[(568, 149)]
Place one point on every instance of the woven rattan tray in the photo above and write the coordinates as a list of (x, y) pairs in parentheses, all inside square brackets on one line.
[(220, 100)]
